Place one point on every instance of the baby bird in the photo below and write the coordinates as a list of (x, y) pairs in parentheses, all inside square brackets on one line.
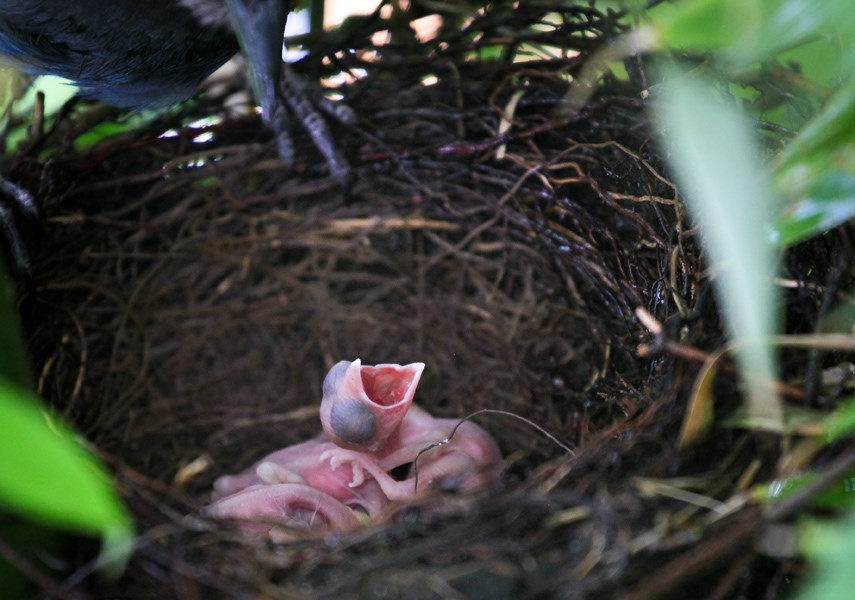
[(370, 427), (368, 412)]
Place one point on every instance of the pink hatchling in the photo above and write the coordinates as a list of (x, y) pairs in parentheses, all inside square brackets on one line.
[(377, 429), (370, 427)]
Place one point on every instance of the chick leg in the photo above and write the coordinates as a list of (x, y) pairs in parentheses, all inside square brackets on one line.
[(394, 490)]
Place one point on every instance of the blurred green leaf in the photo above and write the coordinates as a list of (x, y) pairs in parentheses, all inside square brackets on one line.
[(746, 31), (831, 128), (57, 92), (47, 476), (715, 161), (783, 24), (841, 423), (822, 61), (841, 319), (693, 25), (816, 171), (12, 85), (830, 546), (491, 52), (826, 200), (839, 495), (105, 130)]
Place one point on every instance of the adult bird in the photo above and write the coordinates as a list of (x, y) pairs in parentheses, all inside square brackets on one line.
[(150, 53)]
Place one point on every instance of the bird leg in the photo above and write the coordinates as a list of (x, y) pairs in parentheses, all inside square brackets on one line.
[(260, 25), (358, 461), (10, 234), (307, 105)]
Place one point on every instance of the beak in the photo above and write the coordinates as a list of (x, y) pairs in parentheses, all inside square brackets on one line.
[(260, 28), (363, 406)]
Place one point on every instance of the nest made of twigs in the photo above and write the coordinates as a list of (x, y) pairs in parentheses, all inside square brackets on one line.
[(190, 295)]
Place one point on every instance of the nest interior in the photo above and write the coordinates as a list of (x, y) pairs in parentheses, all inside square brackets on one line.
[(190, 293)]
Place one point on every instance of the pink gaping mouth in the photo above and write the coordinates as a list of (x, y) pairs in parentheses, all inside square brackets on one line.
[(363, 406), (387, 385)]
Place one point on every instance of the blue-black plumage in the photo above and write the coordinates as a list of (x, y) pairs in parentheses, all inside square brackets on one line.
[(151, 53), (141, 53)]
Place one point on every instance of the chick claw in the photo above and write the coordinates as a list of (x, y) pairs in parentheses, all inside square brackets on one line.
[(339, 456)]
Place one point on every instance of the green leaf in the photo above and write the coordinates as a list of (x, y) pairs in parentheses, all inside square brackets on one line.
[(823, 62), (841, 318), (716, 164), (831, 128), (746, 31), (47, 476), (838, 495), (830, 546), (784, 24), (816, 171), (695, 25), (841, 423), (827, 199), (103, 131)]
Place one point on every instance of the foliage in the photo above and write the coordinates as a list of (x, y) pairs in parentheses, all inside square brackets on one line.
[(805, 190), (813, 174), (46, 474), (831, 546)]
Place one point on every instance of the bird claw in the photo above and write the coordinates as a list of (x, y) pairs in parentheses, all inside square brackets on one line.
[(19, 202), (339, 456), (306, 106)]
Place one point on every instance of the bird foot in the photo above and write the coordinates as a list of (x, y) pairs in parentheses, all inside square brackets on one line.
[(305, 105), (14, 202), (358, 462)]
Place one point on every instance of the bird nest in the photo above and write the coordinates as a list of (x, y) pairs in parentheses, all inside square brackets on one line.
[(190, 292)]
